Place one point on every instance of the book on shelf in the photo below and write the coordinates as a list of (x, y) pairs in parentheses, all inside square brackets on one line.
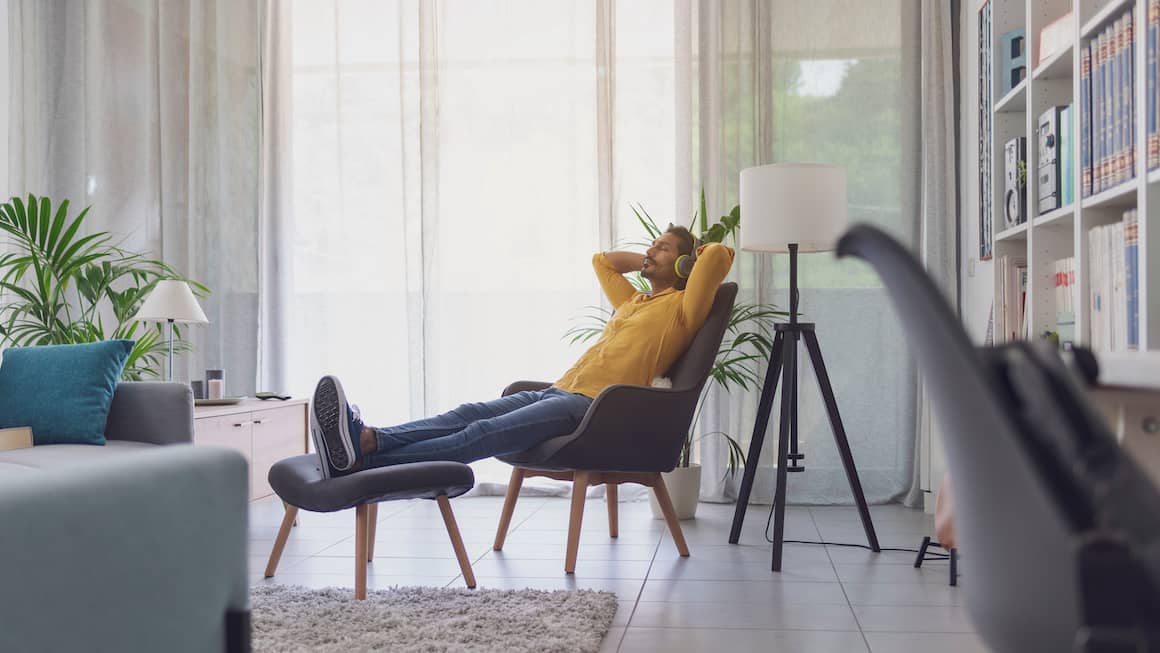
[(1153, 88), (1066, 152), (1064, 279), (1085, 122), (1011, 305), (1113, 279)]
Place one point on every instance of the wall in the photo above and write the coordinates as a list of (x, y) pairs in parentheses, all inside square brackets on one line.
[(977, 288)]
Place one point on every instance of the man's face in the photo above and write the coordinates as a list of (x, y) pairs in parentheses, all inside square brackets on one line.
[(659, 260)]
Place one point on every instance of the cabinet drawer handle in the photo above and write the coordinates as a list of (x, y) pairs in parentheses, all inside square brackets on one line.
[(257, 421), (239, 424)]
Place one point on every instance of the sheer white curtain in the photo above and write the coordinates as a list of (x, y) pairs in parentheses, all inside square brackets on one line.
[(456, 163), (832, 82), (148, 113)]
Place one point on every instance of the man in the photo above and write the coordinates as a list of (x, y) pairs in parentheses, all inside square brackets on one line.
[(646, 335)]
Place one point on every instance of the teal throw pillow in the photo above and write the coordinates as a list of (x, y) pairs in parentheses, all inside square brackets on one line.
[(62, 391)]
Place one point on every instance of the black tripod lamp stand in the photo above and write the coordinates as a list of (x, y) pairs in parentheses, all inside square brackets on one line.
[(793, 207)]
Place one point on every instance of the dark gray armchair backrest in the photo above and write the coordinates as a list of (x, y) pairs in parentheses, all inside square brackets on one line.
[(638, 428), (1014, 531)]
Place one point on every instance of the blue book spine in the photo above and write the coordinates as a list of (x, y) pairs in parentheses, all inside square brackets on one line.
[(1085, 119), (1129, 98), (1097, 114)]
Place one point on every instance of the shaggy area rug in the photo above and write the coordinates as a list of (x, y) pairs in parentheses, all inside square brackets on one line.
[(292, 618)]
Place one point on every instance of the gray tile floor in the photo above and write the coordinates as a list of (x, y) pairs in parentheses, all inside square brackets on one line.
[(721, 598)]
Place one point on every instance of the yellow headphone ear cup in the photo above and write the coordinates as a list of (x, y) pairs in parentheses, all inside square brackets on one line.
[(684, 266)]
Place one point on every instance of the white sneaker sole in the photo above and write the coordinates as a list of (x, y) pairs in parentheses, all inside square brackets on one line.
[(330, 430)]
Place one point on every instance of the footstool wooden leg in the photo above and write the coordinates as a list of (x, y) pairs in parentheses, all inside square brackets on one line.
[(456, 540), (373, 522), (362, 514), (288, 520), (613, 522)]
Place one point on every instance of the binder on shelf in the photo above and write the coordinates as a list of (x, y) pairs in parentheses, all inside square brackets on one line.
[(1049, 175), (1085, 127)]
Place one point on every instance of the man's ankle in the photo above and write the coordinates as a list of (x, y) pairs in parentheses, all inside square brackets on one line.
[(368, 442)]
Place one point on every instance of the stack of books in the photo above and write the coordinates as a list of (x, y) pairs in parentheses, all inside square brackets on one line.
[(1113, 253), (1106, 124)]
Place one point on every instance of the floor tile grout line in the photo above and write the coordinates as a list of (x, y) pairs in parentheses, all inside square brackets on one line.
[(842, 585), (640, 592)]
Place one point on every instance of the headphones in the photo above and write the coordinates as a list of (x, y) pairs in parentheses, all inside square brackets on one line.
[(683, 266)]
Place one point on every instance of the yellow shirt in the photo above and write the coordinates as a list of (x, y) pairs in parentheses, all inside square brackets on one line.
[(647, 333)]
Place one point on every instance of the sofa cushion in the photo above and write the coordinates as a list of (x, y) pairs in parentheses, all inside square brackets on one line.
[(63, 455), (62, 391)]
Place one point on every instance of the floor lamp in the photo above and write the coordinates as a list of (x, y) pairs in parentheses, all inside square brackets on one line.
[(793, 207), (171, 301)]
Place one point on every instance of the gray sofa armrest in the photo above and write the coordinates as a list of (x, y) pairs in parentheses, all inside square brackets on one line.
[(157, 413), (143, 552)]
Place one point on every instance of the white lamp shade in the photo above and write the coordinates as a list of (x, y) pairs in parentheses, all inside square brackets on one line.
[(783, 203), (171, 300)]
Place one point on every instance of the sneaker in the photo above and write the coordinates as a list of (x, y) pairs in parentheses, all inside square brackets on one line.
[(334, 428)]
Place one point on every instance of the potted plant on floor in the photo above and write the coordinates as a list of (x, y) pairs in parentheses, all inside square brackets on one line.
[(747, 343), (60, 287)]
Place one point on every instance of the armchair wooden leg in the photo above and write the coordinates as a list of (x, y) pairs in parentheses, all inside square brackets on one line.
[(662, 494), (456, 540), (362, 514), (509, 507), (613, 522), (579, 490), (288, 520), (372, 524)]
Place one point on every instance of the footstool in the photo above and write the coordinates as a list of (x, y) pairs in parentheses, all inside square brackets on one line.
[(299, 482)]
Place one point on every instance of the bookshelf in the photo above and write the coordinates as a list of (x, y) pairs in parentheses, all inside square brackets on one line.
[(1056, 233)]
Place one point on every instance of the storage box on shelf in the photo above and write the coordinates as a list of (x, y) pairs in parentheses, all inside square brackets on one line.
[(264, 432), (1099, 59)]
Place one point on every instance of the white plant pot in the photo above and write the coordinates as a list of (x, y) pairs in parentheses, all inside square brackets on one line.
[(684, 486)]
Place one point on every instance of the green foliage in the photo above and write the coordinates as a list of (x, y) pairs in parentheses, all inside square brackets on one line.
[(748, 338), (59, 287)]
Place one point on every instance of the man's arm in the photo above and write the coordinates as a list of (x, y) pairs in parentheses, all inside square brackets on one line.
[(610, 270), (625, 262), (713, 263)]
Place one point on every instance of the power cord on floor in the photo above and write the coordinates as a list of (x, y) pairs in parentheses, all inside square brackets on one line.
[(928, 556)]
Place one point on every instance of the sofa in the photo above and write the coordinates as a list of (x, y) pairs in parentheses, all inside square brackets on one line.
[(129, 546)]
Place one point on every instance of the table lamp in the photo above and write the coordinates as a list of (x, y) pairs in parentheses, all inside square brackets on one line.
[(171, 301), (793, 207)]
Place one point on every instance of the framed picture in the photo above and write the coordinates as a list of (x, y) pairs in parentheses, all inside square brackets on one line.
[(986, 194)]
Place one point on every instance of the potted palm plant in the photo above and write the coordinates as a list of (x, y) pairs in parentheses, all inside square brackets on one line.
[(58, 286), (747, 343)]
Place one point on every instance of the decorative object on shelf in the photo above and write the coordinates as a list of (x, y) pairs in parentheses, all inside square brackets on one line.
[(1014, 47), (59, 286), (198, 388), (171, 301), (215, 381), (792, 207), (986, 208), (1050, 137), (1055, 37), (1015, 182)]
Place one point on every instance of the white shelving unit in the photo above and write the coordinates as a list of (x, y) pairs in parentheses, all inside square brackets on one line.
[(1063, 232)]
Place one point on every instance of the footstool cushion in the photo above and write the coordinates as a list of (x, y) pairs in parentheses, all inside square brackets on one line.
[(299, 482)]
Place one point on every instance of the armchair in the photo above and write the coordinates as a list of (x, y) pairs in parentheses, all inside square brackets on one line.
[(630, 434)]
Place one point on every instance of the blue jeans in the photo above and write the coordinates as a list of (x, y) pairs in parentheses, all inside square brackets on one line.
[(481, 430)]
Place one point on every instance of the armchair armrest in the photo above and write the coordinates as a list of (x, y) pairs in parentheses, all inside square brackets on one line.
[(156, 413), (522, 386)]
